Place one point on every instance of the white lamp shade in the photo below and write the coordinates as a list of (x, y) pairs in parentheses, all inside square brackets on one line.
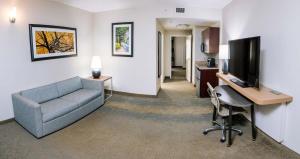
[(224, 52), (96, 62)]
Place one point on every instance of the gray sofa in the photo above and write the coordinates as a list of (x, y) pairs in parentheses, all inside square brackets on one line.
[(49, 108)]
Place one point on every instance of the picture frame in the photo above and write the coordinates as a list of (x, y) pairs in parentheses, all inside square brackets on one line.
[(52, 42), (122, 39)]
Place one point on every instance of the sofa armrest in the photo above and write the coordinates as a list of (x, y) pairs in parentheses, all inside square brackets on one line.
[(93, 84), (28, 114)]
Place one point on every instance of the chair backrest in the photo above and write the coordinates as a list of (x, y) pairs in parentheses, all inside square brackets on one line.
[(213, 97)]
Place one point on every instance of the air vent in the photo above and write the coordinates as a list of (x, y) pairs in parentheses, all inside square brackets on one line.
[(180, 10)]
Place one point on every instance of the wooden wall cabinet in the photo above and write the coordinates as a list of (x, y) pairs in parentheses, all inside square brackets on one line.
[(210, 40)]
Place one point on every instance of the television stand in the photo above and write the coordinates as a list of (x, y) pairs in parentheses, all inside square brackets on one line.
[(239, 83)]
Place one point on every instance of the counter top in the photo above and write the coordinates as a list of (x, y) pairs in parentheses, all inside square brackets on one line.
[(262, 96), (202, 65)]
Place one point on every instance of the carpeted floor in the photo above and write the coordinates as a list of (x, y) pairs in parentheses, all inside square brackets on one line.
[(133, 127)]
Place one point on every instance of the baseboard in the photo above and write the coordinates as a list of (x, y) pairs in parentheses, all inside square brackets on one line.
[(7, 121), (167, 77), (134, 94), (179, 67)]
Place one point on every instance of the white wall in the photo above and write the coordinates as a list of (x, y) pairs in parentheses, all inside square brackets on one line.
[(138, 74), (275, 22), (180, 51), (18, 72), (197, 54), (197, 35), (135, 74)]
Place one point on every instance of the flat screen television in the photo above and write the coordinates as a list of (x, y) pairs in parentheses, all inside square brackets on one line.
[(244, 61)]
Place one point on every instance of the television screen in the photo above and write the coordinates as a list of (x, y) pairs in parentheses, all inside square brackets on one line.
[(244, 60)]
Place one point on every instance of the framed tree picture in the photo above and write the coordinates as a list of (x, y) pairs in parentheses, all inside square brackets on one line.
[(122, 39), (50, 42)]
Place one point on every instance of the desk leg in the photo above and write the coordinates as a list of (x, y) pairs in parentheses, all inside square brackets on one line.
[(214, 116), (254, 132), (229, 126)]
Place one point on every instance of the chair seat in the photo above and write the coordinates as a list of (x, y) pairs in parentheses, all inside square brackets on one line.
[(224, 111), (82, 96), (56, 108)]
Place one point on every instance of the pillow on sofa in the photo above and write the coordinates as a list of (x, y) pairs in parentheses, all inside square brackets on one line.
[(41, 94), (68, 86)]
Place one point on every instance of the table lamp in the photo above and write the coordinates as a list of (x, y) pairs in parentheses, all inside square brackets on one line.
[(96, 66), (224, 55)]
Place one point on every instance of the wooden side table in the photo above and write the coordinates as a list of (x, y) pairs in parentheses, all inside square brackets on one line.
[(110, 89)]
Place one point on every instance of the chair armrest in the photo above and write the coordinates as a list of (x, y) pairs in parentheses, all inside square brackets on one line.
[(92, 84), (28, 114)]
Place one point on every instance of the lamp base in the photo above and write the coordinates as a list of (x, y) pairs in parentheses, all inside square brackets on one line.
[(96, 74), (225, 67)]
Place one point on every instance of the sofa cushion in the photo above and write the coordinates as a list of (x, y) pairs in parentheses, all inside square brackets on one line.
[(68, 86), (82, 96), (41, 94), (56, 108)]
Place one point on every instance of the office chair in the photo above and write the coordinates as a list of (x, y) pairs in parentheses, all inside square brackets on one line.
[(223, 112)]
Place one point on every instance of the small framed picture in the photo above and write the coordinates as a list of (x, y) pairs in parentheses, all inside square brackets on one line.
[(122, 39), (51, 42)]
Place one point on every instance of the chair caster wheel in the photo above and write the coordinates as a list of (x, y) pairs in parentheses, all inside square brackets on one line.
[(222, 140), (240, 134), (204, 133)]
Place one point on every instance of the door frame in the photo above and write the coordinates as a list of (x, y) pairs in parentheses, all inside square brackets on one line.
[(191, 65)]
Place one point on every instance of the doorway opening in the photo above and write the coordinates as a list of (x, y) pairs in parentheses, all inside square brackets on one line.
[(181, 54), (180, 49)]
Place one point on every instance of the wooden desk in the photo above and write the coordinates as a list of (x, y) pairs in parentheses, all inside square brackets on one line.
[(262, 96)]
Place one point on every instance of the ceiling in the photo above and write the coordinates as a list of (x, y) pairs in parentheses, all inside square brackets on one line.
[(179, 23), (105, 5)]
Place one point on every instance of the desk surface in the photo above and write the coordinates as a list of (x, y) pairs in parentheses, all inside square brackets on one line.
[(262, 96), (230, 97)]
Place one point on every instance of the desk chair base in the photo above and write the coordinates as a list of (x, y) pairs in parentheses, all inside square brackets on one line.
[(223, 127)]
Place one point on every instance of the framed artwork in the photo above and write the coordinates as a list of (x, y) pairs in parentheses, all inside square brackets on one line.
[(51, 42), (122, 39)]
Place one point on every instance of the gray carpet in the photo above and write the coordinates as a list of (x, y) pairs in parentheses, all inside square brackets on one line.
[(133, 127)]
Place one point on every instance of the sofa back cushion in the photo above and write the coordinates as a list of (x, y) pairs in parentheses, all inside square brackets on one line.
[(68, 86), (41, 94)]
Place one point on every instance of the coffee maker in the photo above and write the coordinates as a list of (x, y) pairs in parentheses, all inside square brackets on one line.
[(211, 62)]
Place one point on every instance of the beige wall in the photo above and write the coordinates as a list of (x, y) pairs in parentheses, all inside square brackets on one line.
[(18, 72)]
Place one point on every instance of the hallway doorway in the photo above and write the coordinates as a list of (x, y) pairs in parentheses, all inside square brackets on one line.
[(181, 56)]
